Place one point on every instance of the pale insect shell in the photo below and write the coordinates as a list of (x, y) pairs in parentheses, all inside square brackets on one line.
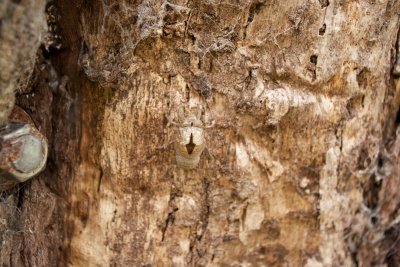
[(191, 128), (186, 161), (196, 133)]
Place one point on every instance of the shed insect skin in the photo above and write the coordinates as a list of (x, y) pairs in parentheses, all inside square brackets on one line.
[(191, 141)]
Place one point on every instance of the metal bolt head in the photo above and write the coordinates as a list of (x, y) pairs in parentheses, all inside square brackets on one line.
[(23, 151), (30, 155)]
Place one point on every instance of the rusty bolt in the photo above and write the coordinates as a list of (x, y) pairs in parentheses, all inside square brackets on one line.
[(23, 150)]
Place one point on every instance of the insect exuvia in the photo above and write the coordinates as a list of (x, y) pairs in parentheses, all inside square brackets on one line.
[(190, 141)]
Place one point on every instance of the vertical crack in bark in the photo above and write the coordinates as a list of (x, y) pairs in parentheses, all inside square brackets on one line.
[(252, 11), (171, 215), (244, 214), (396, 65), (100, 179), (195, 250), (313, 68), (397, 120), (21, 194), (206, 208), (354, 257), (168, 221)]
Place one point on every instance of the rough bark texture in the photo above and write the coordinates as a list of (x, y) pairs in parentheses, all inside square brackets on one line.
[(301, 169), (22, 25)]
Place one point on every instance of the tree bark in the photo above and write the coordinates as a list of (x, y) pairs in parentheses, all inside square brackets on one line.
[(301, 167)]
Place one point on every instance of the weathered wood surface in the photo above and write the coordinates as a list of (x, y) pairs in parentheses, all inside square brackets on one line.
[(301, 168)]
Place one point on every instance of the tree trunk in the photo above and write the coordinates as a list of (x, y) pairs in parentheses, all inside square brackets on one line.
[(301, 167)]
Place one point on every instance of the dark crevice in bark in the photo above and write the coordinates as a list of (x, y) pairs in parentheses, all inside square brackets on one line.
[(13, 190), (392, 236), (324, 3), (371, 192), (313, 68), (21, 195), (314, 59), (354, 258), (322, 30), (396, 63), (398, 117), (171, 215), (206, 208), (244, 213), (196, 251), (100, 179), (254, 9), (170, 220)]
